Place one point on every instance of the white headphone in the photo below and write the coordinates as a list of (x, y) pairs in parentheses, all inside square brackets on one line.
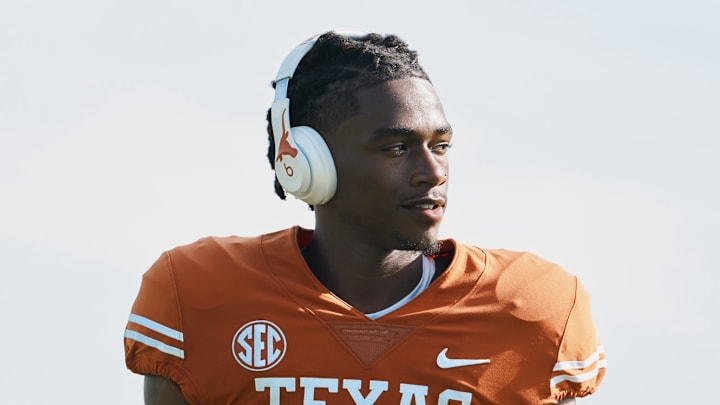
[(303, 163)]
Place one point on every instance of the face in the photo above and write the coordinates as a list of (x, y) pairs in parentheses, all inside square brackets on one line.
[(392, 167)]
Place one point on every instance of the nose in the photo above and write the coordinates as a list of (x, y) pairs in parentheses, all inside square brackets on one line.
[(429, 168)]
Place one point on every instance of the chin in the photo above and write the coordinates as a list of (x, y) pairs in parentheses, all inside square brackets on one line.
[(428, 245)]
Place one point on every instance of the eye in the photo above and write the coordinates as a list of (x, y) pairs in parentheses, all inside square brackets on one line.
[(396, 149), (441, 148)]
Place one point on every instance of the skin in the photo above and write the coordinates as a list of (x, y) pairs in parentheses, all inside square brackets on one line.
[(390, 156), (392, 167), (161, 391)]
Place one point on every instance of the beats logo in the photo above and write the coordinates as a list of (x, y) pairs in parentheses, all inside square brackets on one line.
[(285, 148)]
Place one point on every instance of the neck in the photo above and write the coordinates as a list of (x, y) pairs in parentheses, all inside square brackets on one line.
[(365, 276)]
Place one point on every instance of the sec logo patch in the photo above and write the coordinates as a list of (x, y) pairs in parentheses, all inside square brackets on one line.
[(259, 345)]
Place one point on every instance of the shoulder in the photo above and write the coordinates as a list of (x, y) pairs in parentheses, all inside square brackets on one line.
[(518, 268), (213, 262), (511, 264), (527, 286), (214, 252), (212, 248), (513, 259)]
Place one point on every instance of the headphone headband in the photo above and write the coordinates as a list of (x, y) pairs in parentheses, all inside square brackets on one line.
[(292, 60)]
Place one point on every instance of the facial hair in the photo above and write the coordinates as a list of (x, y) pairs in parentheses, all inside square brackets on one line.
[(423, 245)]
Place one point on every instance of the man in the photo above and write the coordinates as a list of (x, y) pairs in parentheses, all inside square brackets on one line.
[(369, 307)]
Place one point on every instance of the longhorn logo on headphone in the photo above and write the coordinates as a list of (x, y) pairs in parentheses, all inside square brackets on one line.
[(285, 148)]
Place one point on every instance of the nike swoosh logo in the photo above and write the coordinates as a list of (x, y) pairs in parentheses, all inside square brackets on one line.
[(444, 362)]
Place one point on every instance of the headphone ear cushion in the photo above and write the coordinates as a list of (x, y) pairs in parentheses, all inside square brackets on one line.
[(323, 177)]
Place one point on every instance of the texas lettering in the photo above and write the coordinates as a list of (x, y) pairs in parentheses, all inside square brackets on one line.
[(411, 394)]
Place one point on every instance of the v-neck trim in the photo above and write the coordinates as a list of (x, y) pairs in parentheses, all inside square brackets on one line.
[(428, 273), (284, 259)]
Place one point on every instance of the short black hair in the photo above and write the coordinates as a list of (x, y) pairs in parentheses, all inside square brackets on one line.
[(322, 90)]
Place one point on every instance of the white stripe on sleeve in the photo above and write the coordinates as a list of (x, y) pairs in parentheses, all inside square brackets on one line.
[(580, 378), (574, 365), (137, 336), (594, 359), (159, 328)]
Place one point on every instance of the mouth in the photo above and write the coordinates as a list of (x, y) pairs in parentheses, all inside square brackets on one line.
[(424, 202), (427, 208)]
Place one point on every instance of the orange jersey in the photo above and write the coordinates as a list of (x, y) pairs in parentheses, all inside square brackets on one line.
[(244, 321)]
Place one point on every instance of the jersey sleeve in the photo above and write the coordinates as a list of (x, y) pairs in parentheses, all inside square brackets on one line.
[(154, 332), (581, 363)]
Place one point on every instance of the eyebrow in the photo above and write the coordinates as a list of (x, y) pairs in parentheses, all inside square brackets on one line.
[(405, 131)]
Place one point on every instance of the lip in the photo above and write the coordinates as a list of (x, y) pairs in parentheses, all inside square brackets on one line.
[(428, 208)]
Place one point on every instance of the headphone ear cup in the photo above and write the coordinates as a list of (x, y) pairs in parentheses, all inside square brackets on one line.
[(323, 177)]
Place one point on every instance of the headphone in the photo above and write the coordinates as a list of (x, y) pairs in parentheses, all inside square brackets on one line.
[(303, 163)]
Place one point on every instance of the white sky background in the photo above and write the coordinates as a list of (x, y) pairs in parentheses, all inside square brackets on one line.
[(586, 132)]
